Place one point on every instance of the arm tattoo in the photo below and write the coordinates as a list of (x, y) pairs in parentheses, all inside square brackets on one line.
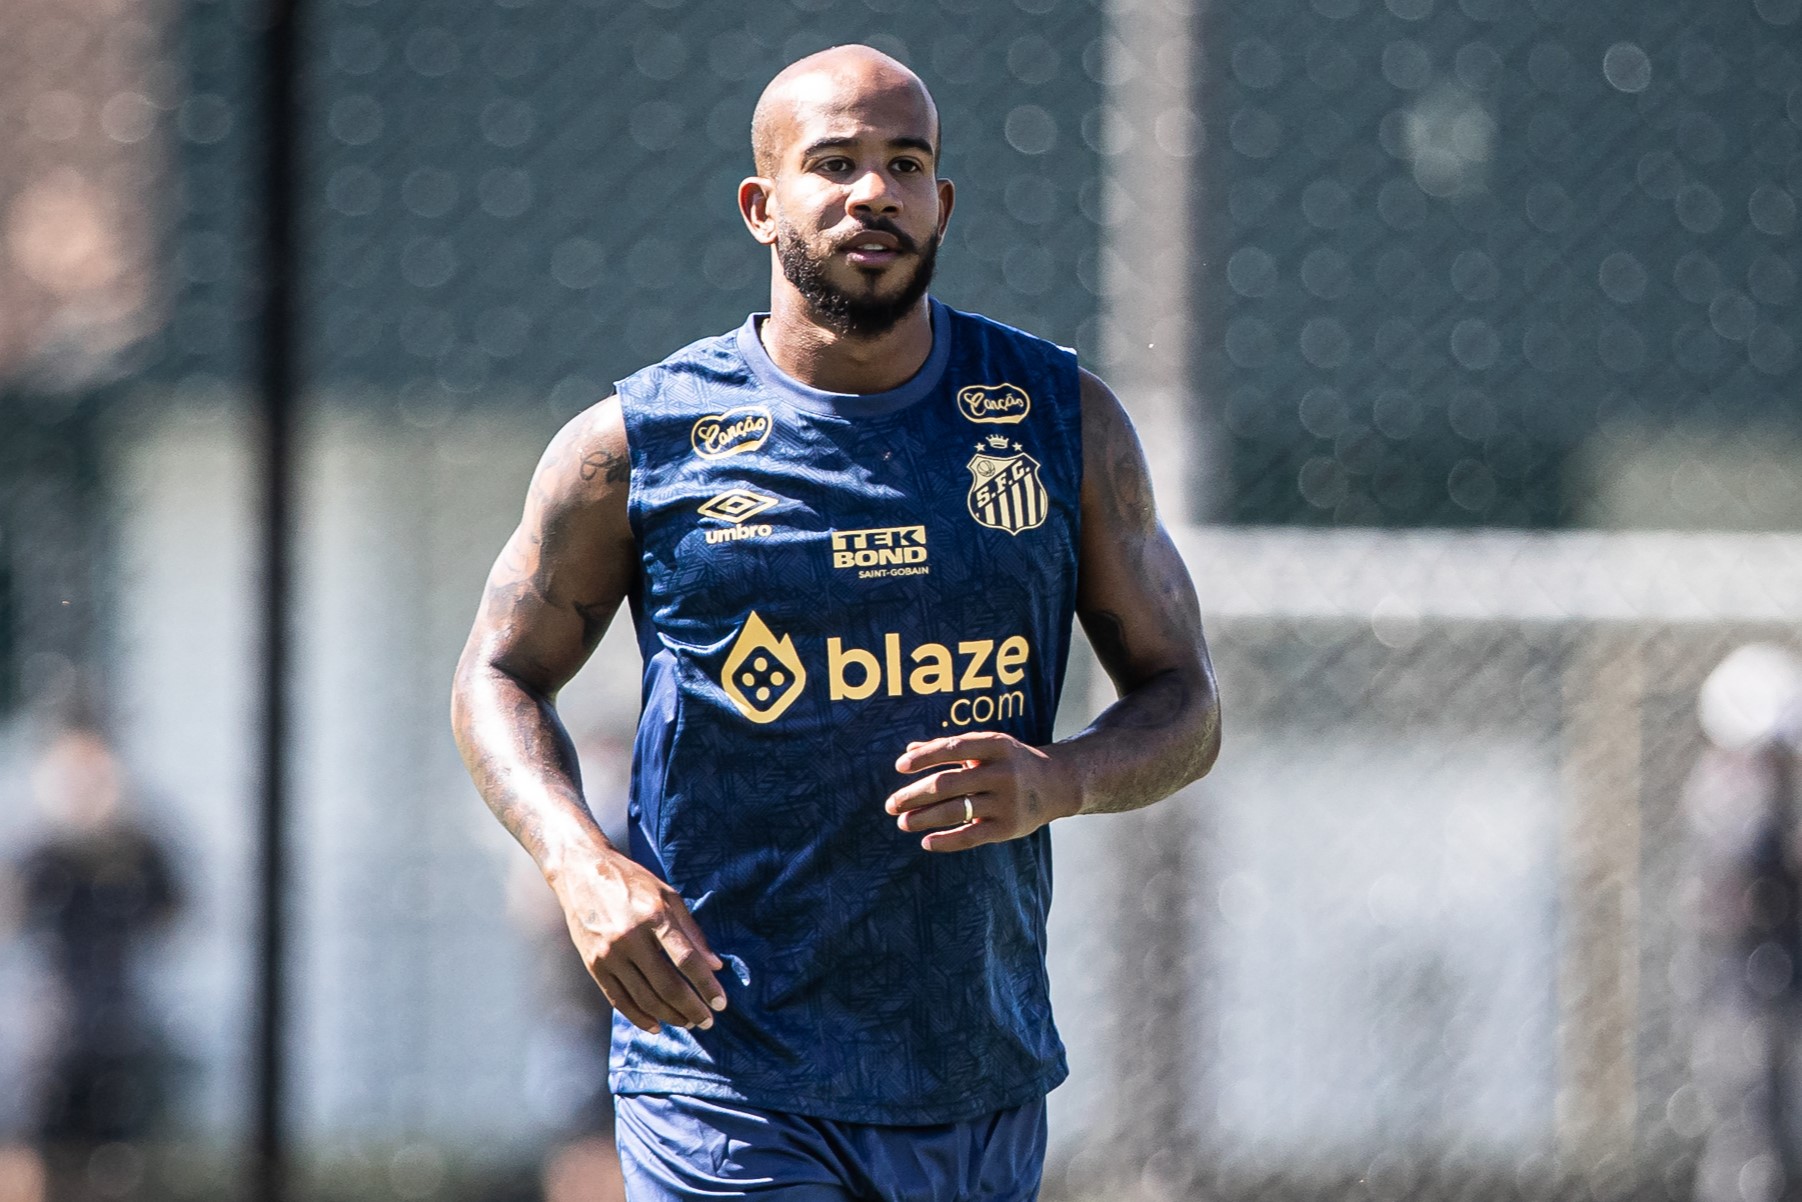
[(533, 736), (1150, 704), (1142, 621), (617, 468), (546, 609)]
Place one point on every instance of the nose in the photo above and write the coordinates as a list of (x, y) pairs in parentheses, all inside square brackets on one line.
[(871, 195)]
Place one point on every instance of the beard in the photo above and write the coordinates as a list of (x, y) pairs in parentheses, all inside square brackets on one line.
[(857, 312)]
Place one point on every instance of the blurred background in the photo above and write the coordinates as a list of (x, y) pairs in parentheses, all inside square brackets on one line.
[(1462, 333)]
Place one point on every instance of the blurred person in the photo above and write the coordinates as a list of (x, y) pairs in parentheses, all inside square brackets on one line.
[(853, 534), (1744, 846), (567, 1061), (90, 893)]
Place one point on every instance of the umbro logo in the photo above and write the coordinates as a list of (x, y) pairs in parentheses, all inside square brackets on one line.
[(736, 507)]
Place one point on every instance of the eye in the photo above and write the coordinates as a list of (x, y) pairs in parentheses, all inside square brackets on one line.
[(837, 165), (908, 166)]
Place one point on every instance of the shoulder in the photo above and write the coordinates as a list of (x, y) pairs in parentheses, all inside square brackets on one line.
[(599, 427), (1116, 478), (587, 459), (988, 328), (1037, 374), (1104, 418), (712, 358)]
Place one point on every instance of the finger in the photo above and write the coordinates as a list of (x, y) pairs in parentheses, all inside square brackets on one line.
[(687, 949), (646, 983), (962, 838), (676, 998), (971, 745), (622, 1000), (683, 921), (940, 786), (942, 816)]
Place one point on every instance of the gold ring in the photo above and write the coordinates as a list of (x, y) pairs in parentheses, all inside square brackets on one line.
[(969, 810)]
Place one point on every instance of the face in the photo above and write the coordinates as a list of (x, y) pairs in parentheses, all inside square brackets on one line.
[(855, 210), (77, 781)]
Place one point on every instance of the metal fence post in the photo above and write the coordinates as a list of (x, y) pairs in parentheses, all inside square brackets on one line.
[(1151, 134), (276, 371)]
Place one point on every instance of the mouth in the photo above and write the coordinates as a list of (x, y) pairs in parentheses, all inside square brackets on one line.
[(874, 248)]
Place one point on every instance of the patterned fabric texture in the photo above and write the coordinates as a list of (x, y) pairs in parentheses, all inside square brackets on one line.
[(825, 579)]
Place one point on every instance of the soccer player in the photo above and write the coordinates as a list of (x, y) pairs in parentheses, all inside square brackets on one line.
[(852, 534)]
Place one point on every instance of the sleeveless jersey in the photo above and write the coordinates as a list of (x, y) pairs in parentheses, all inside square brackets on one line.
[(825, 578)]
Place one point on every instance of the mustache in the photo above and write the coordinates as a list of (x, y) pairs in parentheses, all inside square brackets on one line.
[(882, 225)]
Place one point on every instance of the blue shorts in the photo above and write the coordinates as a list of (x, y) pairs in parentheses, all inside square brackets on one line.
[(673, 1147)]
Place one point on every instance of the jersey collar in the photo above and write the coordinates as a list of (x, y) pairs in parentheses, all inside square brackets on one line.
[(849, 404)]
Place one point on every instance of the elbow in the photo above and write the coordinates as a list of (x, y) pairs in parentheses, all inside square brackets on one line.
[(1207, 749), (459, 705), (464, 683), (1207, 735), (485, 684)]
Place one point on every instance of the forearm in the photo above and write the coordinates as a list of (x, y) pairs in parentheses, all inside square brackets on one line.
[(1159, 736), (524, 765)]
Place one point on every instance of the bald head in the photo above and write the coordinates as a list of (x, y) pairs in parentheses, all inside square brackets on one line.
[(822, 84)]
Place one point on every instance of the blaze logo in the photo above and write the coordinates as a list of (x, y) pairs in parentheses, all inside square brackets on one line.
[(936, 670), (763, 675), (1005, 490), (730, 433), (1004, 404)]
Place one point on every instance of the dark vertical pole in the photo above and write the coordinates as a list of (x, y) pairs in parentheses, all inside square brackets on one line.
[(277, 386)]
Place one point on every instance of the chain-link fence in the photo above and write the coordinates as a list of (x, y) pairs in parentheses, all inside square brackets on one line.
[(1442, 917), (1504, 264), (1356, 264)]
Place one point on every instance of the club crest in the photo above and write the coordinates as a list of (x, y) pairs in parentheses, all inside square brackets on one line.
[(1005, 490)]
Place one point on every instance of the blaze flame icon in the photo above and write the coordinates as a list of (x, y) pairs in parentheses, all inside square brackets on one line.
[(763, 675)]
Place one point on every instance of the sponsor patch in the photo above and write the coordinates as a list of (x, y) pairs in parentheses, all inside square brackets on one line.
[(982, 680), (733, 432), (1001, 403), (736, 505), (763, 675), (881, 551)]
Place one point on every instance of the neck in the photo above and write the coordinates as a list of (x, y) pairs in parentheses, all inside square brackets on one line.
[(806, 349)]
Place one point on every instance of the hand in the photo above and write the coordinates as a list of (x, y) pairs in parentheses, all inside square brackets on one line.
[(640, 943), (1013, 788)]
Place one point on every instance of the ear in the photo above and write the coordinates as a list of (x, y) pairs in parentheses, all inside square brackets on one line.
[(754, 196), (947, 197)]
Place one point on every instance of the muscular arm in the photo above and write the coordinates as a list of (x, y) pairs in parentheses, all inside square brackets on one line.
[(1137, 603), (549, 598)]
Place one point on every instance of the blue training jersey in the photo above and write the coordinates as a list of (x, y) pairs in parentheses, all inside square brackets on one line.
[(826, 578)]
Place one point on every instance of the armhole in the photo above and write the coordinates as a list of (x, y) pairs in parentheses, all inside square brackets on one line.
[(634, 517), (1072, 365)]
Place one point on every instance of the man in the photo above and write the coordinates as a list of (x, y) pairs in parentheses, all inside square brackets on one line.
[(93, 894), (852, 534)]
